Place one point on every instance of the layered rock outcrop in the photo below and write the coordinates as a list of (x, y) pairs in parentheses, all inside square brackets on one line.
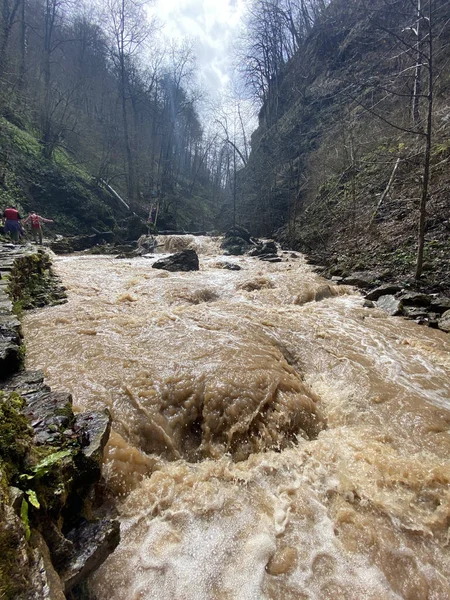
[(50, 458)]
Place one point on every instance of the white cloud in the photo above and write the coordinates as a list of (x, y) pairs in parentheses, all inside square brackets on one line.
[(213, 27)]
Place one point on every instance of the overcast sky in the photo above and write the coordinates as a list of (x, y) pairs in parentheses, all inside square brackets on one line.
[(212, 25)]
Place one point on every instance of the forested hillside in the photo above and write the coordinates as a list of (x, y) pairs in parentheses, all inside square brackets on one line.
[(89, 97), (353, 143)]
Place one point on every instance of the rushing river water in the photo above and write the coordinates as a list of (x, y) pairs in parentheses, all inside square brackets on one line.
[(273, 439)]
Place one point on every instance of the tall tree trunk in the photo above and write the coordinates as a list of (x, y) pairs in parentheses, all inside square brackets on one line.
[(427, 154), (23, 52), (415, 110), (126, 129)]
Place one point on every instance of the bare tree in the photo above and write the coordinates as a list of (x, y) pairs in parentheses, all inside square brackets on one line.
[(129, 30)]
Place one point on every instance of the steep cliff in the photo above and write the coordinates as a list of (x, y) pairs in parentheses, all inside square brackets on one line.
[(338, 139)]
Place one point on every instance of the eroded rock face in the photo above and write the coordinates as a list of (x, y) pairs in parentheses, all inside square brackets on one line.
[(50, 462), (187, 260)]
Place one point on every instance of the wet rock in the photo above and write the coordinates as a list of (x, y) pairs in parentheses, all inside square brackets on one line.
[(271, 259), (383, 290), (337, 279), (92, 544), (44, 577), (187, 260), (444, 322), (228, 266), (15, 498), (414, 299), (266, 249), (368, 304), (238, 232), (237, 241), (44, 411), (415, 312), (362, 279), (80, 242), (147, 244), (93, 429), (27, 382), (234, 246), (390, 304), (10, 341), (337, 271), (5, 305)]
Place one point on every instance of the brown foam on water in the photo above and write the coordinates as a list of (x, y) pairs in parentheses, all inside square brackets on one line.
[(357, 510)]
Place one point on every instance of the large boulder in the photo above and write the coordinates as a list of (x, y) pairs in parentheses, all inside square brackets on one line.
[(238, 232), (383, 290), (266, 250), (414, 299), (361, 279), (237, 241), (187, 260), (390, 304)]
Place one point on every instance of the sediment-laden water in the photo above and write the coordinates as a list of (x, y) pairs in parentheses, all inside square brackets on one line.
[(273, 439)]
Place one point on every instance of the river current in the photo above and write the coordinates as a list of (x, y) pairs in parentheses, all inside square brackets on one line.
[(272, 438)]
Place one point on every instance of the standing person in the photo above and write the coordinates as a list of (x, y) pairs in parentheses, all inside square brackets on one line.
[(36, 229), (12, 222)]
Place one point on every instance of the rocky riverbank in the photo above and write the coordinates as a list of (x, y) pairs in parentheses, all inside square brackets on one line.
[(53, 529)]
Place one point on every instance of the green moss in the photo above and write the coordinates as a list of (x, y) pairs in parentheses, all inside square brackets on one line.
[(32, 282), (15, 435), (13, 581)]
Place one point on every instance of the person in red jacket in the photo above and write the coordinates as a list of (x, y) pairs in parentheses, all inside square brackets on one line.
[(12, 223), (36, 229)]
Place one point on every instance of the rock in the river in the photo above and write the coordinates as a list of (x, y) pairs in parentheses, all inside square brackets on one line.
[(271, 259), (416, 312), (238, 232), (93, 429), (147, 244), (267, 249), (444, 322), (390, 304), (92, 544), (187, 260), (234, 246), (237, 241), (228, 266)]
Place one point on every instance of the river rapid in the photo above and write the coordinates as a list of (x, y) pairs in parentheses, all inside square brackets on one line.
[(272, 438)]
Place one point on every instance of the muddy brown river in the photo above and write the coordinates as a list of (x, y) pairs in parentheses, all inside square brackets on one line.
[(272, 438)]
